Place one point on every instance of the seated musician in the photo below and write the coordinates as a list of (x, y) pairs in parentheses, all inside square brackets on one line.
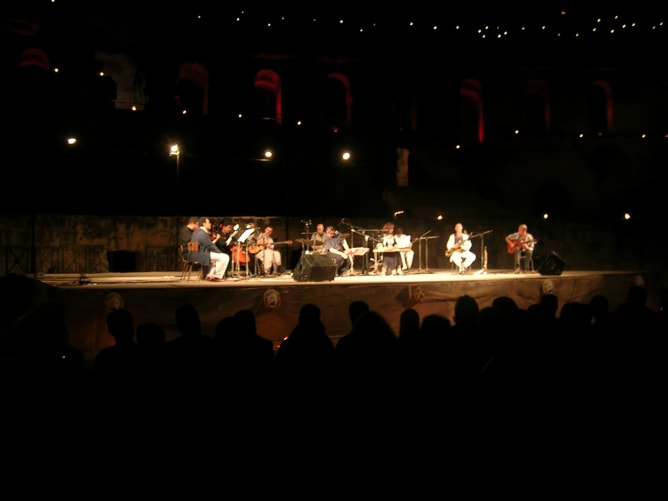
[(521, 244), (335, 246), (266, 253), (404, 242), (458, 249), (318, 239), (227, 243), (391, 258)]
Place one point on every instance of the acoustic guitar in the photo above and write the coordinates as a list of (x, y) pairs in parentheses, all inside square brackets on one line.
[(255, 247), (517, 244), (458, 247)]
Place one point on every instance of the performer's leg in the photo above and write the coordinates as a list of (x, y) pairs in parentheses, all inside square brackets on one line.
[(409, 258)]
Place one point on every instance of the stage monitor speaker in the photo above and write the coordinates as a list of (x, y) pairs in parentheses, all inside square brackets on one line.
[(552, 265), (314, 268)]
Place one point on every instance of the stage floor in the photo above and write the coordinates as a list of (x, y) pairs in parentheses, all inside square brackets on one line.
[(276, 301)]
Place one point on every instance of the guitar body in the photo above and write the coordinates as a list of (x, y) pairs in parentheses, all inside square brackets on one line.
[(460, 247), (517, 245), (254, 248)]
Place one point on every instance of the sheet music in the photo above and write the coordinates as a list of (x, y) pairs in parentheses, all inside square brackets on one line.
[(244, 236), (357, 251)]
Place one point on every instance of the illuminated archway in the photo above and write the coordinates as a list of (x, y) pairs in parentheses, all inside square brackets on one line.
[(471, 112), (193, 87), (268, 95)]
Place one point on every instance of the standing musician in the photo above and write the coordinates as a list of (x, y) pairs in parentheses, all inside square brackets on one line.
[(458, 249), (521, 244), (335, 247)]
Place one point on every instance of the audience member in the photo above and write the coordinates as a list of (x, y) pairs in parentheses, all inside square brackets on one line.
[(191, 358), (116, 367), (246, 357), (39, 354), (367, 357), (305, 358), (151, 341)]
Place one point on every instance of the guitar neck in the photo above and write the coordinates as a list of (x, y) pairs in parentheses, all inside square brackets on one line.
[(256, 247)]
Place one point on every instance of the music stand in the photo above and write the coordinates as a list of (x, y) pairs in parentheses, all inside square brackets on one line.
[(363, 233), (355, 251), (243, 239), (420, 239)]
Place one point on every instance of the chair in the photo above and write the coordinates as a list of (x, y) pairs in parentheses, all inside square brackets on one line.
[(190, 261), (528, 261)]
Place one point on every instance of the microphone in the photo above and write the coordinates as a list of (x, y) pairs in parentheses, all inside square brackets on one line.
[(343, 220)]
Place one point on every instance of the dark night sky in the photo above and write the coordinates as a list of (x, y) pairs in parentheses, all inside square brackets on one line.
[(159, 38)]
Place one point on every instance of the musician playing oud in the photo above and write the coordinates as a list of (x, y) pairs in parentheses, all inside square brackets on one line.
[(521, 244), (335, 246), (458, 249)]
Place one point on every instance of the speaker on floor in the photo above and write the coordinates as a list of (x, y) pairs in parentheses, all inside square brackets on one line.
[(552, 265), (314, 268)]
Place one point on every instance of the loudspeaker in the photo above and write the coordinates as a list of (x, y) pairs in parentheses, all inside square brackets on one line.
[(552, 265), (314, 268)]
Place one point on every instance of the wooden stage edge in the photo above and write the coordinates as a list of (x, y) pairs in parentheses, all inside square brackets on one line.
[(276, 301)]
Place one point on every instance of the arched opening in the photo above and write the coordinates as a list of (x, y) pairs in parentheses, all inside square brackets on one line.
[(193, 88), (267, 103)]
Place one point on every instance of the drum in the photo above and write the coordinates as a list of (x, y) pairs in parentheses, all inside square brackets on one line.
[(239, 255)]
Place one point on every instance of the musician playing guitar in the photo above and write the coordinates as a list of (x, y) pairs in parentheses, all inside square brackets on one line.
[(263, 248), (521, 244), (458, 249)]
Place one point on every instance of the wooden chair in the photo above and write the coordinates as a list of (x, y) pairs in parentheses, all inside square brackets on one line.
[(190, 261), (526, 262)]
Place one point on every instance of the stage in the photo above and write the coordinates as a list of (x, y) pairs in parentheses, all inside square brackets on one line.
[(276, 301)]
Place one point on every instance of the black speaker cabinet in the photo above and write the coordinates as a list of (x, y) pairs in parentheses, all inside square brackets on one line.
[(552, 265), (314, 268)]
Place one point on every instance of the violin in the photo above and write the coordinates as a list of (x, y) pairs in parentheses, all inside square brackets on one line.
[(214, 235)]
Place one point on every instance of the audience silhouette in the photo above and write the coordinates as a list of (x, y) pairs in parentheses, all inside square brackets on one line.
[(500, 360)]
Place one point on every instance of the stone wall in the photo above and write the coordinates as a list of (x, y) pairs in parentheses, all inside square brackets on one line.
[(53, 244)]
